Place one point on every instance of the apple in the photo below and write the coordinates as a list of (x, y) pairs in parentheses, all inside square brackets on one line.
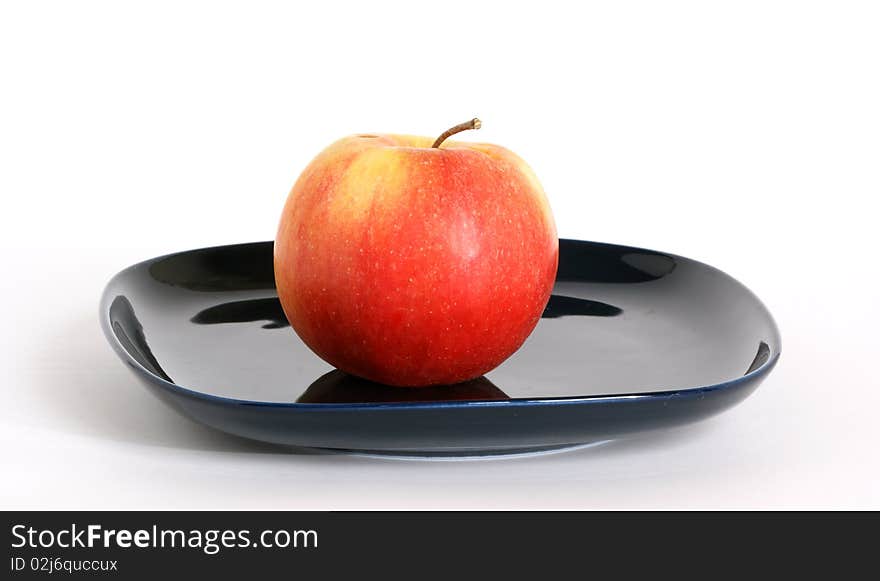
[(411, 264)]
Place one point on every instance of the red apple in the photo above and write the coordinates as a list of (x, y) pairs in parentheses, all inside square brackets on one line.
[(412, 264)]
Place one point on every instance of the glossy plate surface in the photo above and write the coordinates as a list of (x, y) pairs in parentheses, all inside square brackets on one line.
[(632, 340)]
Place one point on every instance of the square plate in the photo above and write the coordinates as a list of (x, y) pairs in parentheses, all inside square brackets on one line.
[(632, 340)]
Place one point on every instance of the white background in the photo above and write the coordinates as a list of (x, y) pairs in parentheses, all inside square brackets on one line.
[(742, 134)]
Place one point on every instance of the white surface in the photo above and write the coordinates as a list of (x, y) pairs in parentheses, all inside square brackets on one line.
[(745, 135)]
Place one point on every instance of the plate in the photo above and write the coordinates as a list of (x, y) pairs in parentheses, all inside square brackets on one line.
[(631, 341)]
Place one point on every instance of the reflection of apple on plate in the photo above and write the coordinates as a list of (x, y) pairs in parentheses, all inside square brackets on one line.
[(340, 387), (414, 262)]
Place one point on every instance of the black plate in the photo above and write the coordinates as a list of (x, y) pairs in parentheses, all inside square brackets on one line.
[(632, 340)]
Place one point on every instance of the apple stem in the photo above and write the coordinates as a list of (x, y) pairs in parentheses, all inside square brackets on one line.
[(472, 124)]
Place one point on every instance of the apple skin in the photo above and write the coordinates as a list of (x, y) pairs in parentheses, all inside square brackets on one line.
[(412, 266)]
